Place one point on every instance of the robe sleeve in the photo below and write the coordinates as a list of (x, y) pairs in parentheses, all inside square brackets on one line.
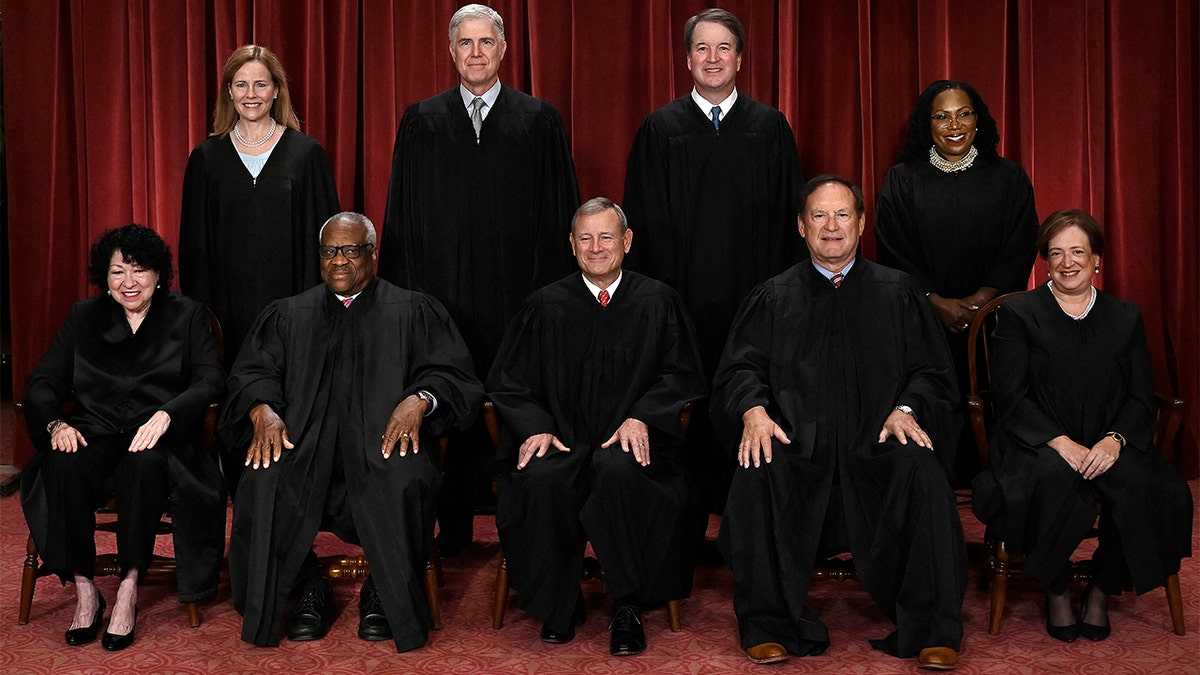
[(894, 229), (743, 377), (514, 384), (318, 201), (556, 202), (194, 273), (931, 386), (49, 385), (256, 377), (647, 204), (395, 250), (442, 365), (206, 379), (1013, 261), (1135, 420), (679, 379), (1017, 410)]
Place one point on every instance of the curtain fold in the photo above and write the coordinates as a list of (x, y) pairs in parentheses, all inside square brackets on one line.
[(1097, 99)]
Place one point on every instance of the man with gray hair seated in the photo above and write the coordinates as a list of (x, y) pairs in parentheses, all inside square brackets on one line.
[(337, 396), (482, 190), (589, 385)]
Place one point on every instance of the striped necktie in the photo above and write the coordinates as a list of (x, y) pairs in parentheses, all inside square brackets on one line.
[(837, 279)]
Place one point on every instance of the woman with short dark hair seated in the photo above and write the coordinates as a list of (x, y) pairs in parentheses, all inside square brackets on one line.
[(1075, 424), (140, 364)]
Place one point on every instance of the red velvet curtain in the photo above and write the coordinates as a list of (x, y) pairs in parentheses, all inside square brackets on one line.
[(1097, 99)]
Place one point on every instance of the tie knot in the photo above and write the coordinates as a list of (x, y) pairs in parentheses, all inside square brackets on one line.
[(837, 279), (477, 104), (347, 301), (604, 296)]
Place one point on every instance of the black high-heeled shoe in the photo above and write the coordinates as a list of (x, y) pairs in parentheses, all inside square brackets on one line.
[(77, 637), (1089, 630), (115, 643), (1067, 633)]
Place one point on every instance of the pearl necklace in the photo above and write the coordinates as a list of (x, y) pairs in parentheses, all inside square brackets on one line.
[(242, 139), (948, 166), (1082, 315)]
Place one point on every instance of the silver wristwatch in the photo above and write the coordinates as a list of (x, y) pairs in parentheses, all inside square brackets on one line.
[(906, 410)]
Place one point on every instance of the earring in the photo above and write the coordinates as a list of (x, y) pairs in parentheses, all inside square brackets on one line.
[(1097, 269)]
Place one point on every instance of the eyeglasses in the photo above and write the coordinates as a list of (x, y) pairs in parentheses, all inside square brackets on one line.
[(942, 119), (351, 251)]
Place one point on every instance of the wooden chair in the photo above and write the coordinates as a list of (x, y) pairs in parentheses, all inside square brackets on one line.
[(356, 567), (1000, 565), (591, 567), (107, 563)]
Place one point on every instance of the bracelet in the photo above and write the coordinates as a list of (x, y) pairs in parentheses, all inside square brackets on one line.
[(54, 425), (1116, 437)]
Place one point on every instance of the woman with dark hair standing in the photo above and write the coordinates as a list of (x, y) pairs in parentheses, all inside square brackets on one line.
[(140, 364), (957, 217), (254, 194)]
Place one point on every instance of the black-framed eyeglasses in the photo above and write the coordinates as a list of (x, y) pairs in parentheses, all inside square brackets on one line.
[(351, 251), (942, 118)]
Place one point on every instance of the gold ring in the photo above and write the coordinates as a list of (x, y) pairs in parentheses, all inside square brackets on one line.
[(404, 435)]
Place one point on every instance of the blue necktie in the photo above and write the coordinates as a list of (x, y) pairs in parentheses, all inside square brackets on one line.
[(716, 115)]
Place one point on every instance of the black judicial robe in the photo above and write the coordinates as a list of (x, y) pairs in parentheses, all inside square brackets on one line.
[(1055, 376), (244, 242), (118, 379), (714, 213), (829, 364), (335, 374), (479, 226), (958, 232), (578, 370)]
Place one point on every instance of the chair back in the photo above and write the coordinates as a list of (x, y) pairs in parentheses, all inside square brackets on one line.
[(979, 398)]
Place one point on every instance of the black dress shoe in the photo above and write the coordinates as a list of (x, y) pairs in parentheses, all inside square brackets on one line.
[(555, 637), (372, 623), (115, 643), (313, 614), (1088, 630), (1066, 633), (628, 637), (81, 636)]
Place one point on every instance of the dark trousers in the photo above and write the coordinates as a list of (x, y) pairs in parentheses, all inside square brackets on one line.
[(76, 483), (633, 515)]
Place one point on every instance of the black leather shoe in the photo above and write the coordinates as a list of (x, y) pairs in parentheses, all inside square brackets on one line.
[(77, 637), (1066, 633), (554, 637), (1088, 630), (372, 623), (115, 643), (313, 614), (628, 637)]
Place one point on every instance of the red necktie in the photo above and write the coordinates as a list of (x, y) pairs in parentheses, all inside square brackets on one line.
[(347, 301), (604, 298), (837, 279)]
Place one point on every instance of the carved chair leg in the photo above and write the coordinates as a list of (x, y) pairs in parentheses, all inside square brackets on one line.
[(999, 582), (673, 615), (193, 614), (501, 599), (431, 594), (28, 581), (1175, 602)]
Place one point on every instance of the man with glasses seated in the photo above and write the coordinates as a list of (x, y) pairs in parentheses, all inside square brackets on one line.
[(337, 396)]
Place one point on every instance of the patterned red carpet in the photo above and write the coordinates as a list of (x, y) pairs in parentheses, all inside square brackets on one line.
[(1142, 641)]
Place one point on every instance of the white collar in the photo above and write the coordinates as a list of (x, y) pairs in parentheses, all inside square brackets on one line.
[(706, 107), (489, 97), (595, 290)]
